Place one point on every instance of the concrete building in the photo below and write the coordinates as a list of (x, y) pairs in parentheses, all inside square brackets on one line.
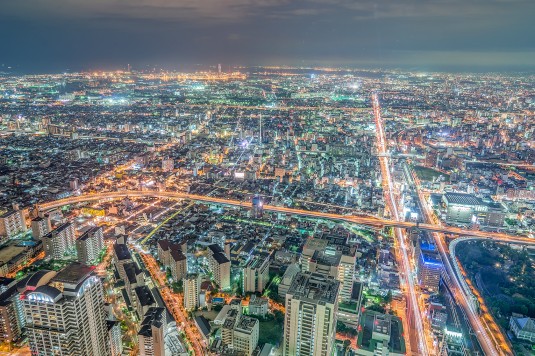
[(172, 256), (220, 266), (429, 267), (114, 337), (461, 208), (192, 289), (239, 333), (143, 300), (452, 343), (151, 335), (331, 256), (121, 256), (382, 334), (178, 265), (60, 241), (66, 315), (11, 313), (522, 327), (246, 334), (310, 319), (12, 223), (256, 273), (90, 245), (287, 278), (258, 306), (40, 227)]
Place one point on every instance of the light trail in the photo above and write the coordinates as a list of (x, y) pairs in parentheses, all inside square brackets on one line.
[(421, 334), (461, 294), (355, 219)]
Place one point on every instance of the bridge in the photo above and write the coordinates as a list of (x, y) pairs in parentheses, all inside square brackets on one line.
[(356, 219)]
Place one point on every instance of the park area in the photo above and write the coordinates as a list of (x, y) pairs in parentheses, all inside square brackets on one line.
[(429, 174)]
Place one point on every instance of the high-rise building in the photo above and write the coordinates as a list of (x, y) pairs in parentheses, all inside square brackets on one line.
[(40, 227), (90, 245), (151, 335), (310, 319), (11, 223), (11, 320), (192, 289), (59, 241), (429, 267), (331, 256), (172, 256), (219, 265), (239, 333), (114, 337), (121, 256), (246, 334), (143, 299), (66, 315), (256, 273)]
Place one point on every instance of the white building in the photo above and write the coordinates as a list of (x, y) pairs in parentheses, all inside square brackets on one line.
[(310, 319), (66, 316), (256, 273), (11, 223), (59, 241), (90, 245), (192, 289), (40, 227)]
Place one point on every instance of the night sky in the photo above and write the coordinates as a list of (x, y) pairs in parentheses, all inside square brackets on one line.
[(467, 35)]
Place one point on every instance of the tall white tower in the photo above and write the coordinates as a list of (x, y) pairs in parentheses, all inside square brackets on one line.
[(65, 313), (310, 319)]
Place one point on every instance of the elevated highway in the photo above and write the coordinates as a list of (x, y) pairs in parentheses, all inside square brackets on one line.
[(356, 219)]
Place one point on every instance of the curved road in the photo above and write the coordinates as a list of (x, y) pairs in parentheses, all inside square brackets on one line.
[(356, 219)]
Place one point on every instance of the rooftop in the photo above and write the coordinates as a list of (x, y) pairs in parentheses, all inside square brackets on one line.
[(73, 273), (314, 286), (462, 199)]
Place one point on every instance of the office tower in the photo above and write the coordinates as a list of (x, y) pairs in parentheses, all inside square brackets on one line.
[(65, 314), (59, 241), (90, 245), (310, 319), (11, 223), (40, 227), (256, 273), (151, 335), (429, 267), (192, 289), (331, 256), (220, 266)]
